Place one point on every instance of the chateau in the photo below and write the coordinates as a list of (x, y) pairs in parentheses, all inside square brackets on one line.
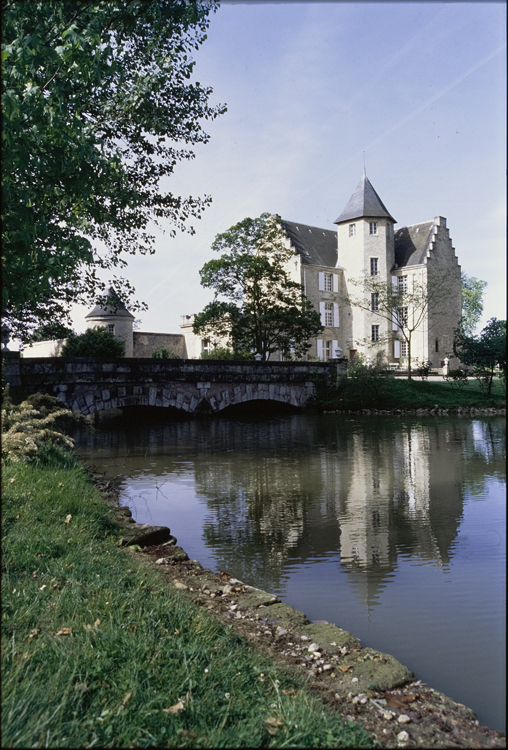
[(366, 244)]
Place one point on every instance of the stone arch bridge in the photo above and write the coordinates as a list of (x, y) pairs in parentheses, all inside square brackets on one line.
[(91, 385)]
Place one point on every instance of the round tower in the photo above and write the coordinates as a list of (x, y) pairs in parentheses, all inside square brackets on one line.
[(116, 318)]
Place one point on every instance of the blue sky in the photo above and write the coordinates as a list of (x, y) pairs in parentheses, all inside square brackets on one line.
[(310, 86)]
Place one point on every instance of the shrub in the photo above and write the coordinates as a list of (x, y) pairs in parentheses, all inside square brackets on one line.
[(94, 342), (162, 353), (33, 430), (423, 369), (222, 352)]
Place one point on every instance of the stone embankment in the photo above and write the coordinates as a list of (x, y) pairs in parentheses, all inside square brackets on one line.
[(435, 411), (364, 685)]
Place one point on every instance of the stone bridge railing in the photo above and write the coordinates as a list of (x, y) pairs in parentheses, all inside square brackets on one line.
[(90, 385)]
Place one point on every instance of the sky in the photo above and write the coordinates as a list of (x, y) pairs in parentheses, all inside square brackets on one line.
[(313, 89)]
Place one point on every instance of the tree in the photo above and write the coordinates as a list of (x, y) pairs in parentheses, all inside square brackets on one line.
[(484, 353), (50, 332), (264, 311), (94, 342), (404, 306), (472, 302), (96, 100)]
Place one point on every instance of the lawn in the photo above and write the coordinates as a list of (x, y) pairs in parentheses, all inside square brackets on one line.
[(98, 651)]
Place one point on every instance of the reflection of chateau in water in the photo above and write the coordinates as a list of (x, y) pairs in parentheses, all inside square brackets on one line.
[(287, 491), (383, 489)]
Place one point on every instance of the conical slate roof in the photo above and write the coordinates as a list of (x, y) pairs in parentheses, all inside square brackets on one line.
[(117, 308), (364, 202)]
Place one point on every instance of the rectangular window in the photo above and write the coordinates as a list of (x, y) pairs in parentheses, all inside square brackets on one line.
[(111, 328), (328, 313), (375, 334), (373, 227), (373, 267), (387, 230), (374, 301), (352, 230), (403, 284), (402, 316), (205, 345), (328, 350), (328, 282), (437, 345), (403, 348)]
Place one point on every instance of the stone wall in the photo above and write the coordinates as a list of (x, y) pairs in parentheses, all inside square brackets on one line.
[(90, 385), (145, 343)]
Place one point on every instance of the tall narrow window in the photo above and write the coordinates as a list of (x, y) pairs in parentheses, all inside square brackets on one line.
[(328, 350), (374, 301), (111, 328), (373, 266), (328, 313), (375, 334), (352, 230), (373, 227), (402, 317), (403, 348), (328, 282), (387, 230), (403, 284), (437, 345)]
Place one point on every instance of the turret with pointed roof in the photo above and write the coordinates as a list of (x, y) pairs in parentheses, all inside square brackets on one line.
[(364, 203)]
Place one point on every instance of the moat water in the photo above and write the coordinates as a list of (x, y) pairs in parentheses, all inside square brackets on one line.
[(391, 528)]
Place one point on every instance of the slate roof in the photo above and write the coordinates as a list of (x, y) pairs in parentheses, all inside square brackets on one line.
[(118, 308), (364, 202), (316, 246), (412, 243)]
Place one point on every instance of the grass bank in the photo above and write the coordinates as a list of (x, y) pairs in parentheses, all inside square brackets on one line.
[(381, 392), (97, 651)]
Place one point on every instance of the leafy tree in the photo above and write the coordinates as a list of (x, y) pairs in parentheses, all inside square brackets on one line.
[(94, 342), (96, 100), (50, 332), (162, 353), (472, 302), (265, 310), (404, 307), (484, 353)]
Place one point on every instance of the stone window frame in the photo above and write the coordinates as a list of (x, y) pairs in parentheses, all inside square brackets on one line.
[(373, 227), (374, 266), (352, 230)]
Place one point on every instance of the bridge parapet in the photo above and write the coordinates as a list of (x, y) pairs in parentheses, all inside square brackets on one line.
[(90, 384)]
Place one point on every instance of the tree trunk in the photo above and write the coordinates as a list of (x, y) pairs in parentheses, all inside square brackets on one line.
[(409, 358)]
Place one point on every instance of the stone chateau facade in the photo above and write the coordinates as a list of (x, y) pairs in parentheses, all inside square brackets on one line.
[(365, 242)]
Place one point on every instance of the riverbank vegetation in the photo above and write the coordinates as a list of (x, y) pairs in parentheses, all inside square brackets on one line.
[(97, 650), (366, 389)]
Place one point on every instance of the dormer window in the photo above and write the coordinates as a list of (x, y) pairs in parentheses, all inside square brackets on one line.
[(373, 227), (352, 230)]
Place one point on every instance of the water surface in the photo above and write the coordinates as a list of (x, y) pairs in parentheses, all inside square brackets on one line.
[(391, 528)]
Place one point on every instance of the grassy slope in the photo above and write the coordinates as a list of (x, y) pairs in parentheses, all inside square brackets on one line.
[(399, 393), (135, 648)]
